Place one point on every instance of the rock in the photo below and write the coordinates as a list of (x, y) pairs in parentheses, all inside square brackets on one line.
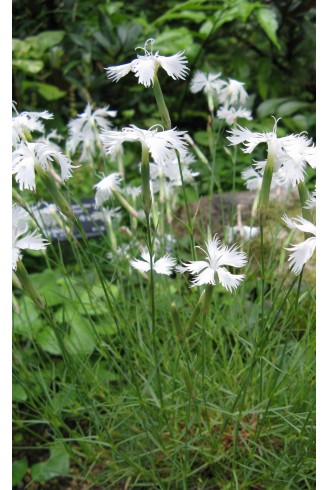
[(223, 211)]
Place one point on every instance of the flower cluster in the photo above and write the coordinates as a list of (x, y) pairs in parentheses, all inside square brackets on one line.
[(25, 123), (231, 95), (28, 155), (291, 154), (204, 271), (84, 131)]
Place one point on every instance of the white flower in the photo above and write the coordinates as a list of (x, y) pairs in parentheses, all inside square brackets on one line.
[(85, 129), (106, 187), (27, 155), (29, 241), (133, 191), (171, 171), (290, 153), (233, 93), (47, 139), (253, 178), (217, 256), (25, 122), (145, 67), (312, 201), (164, 265), (301, 252), (245, 232), (161, 144), (206, 82), (107, 214), (122, 252), (47, 215), (231, 114)]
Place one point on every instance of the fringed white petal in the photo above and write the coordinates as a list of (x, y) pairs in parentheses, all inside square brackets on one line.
[(115, 73), (105, 188), (301, 253), (194, 267), (198, 82), (140, 265), (32, 241), (175, 66), (231, 257), (247, 137), (204, 277), (25, 174), (253, 179), (228, 280), (144, 69), (300, 223), (165, 265)]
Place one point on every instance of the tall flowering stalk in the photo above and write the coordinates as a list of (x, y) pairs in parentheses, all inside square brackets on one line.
[(162, 145)]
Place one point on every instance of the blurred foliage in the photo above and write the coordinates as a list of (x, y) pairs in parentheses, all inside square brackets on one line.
[(61, 48)]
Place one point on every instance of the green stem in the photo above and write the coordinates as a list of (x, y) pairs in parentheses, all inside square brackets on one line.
[(152, 305), (133, 212), (28, 287), (164, 113), (304, 196), (266, 183), (145, 177)]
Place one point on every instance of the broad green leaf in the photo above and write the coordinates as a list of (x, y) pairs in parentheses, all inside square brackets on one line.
[(46, 338), (80, 340), (48, 39), (267, 18), (20, 48), (196, 17), (269, 107), (18, 393), (28, 66), (56, 465), (263, 77), (296, 123), (169, 14), (106, 327), (301, 122), (206, 28), (19, 468), (94, 299), (201, 137), (28, 321), (67, 68), (289, 108), (48, 92), (45, 283), (174, 40)]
